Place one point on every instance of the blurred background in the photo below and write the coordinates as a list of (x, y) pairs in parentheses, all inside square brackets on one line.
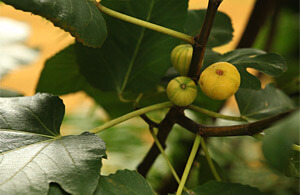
[(42, 35), (27, 41)]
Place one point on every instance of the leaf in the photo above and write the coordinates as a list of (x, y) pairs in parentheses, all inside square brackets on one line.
[(204, 172), (210, 57), (293, 165), (14, 53), (262, 103), (133, 58), (277, 145), (221, 32), (9, 93), (61, 74), (123, 182), (268, 63), (39, 114), (214, 187), (55, 189), (33, 154), (81, 18), (109, 101)]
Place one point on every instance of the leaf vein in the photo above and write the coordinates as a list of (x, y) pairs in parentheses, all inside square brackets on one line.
[(21, 169), (136, 50)]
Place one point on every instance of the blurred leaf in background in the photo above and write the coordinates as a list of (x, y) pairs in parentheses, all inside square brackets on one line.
[(285, 40), (14, 52)]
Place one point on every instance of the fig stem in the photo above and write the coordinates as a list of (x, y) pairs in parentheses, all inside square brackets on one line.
[(175, 175), (260, 137), (189, 164), (215, 114), (209, 161), (145, 24), (130, 115)]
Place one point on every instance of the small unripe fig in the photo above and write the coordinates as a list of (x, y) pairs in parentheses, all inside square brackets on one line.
[(181, 58), (220, 80), (182, 91)]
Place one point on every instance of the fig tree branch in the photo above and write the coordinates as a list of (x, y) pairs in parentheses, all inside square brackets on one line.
[(164, 128), (201, 40), (258, 17), (235, 130), (199, 43)]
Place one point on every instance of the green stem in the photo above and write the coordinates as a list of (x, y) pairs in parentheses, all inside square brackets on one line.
[(260, 137), (215, 114), (166, 157), (146, 24), (130, 115), (209, 161), (296, 147), (189, 164)]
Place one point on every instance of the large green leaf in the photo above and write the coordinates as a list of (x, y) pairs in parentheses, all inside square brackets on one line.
[(123, 182), (33, 154), (55, 189), (61, 74), (269, 63), (277, 144), (221, 32), (214, 187), (109, 101), (133, 58), (262, 103), (79, 17), (204, 173)]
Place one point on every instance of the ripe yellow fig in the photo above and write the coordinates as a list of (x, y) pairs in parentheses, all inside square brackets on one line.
[(182, 91), (181, 58), (220, 80)]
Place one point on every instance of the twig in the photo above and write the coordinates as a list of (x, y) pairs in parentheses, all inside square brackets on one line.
[(209, 161), (257, 19), (189, 164), (201, 40), (175, 175), (164, 129), (236, 130)]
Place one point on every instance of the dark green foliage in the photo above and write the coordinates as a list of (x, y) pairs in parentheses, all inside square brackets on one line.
[(133, 58), (221, 32), (263, 103), (89, 28), (123, 182), (214, 187), (277, 145)]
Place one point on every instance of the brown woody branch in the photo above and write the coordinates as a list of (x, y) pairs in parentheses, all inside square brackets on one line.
[(260, 12), (164, 128), (201, 40), (236, 130), (169, 121)]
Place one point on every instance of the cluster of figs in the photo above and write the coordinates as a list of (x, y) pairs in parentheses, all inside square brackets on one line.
[(218, 81)]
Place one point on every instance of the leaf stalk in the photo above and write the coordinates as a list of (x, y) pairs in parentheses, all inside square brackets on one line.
[(130, 115), (189, 164), (146, 24)]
